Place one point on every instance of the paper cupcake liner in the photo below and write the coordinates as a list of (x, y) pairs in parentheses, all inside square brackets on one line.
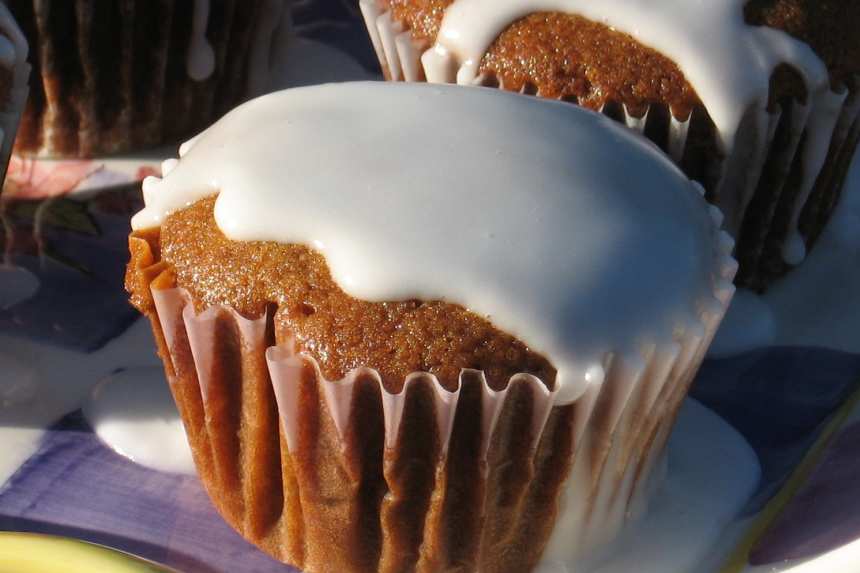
[(113, 76), (351, 475), (840, 155), (766, 187), (792, 207)]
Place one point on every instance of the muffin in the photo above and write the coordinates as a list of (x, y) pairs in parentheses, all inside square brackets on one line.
[(115, 75), (426, 327), (14, 71), (755, 99)]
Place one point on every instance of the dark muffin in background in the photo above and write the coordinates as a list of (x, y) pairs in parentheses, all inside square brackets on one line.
[(114, 75), (774, 218)]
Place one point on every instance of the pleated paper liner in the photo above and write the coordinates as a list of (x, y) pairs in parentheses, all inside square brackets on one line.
[(769, 187), (112, 76), (771, 222), (352, 475)]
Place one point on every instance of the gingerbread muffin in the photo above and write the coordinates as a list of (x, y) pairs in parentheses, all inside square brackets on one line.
[(14, 72), (116, 75), (756, 99), (397, 319)]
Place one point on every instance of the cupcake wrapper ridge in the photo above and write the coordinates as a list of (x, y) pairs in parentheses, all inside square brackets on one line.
[(349, 475)]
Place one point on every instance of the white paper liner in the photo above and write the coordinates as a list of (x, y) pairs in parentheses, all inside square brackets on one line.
[(824, 120), (621, 425)]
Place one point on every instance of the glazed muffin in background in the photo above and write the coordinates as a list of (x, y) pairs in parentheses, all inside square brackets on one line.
[(446, 342), (14, 74), (116, 75), (758, 100)]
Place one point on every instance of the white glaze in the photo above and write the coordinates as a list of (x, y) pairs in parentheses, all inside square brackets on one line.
[(134, 414), (20, 439), (494, 210), (54, 382), (200, 60), (690, 34)]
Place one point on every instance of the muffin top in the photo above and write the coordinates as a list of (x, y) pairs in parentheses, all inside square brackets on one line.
[(727, 62), (555, 225), (828, 26)]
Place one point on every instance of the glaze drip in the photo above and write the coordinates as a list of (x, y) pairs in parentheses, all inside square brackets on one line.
[(689, 33)]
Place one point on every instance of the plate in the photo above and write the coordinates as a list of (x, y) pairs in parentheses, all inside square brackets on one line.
[(32, 553)]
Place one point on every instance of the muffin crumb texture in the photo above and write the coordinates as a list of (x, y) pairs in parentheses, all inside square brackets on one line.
[(547, 48), (564, 56), (340, 332)]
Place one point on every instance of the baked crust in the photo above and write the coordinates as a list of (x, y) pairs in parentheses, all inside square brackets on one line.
[(351, 498), (342, 333), (568, 57), (565, 56)]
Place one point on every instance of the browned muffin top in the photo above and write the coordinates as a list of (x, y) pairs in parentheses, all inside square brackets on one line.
[(567, 56), (341, 332)]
